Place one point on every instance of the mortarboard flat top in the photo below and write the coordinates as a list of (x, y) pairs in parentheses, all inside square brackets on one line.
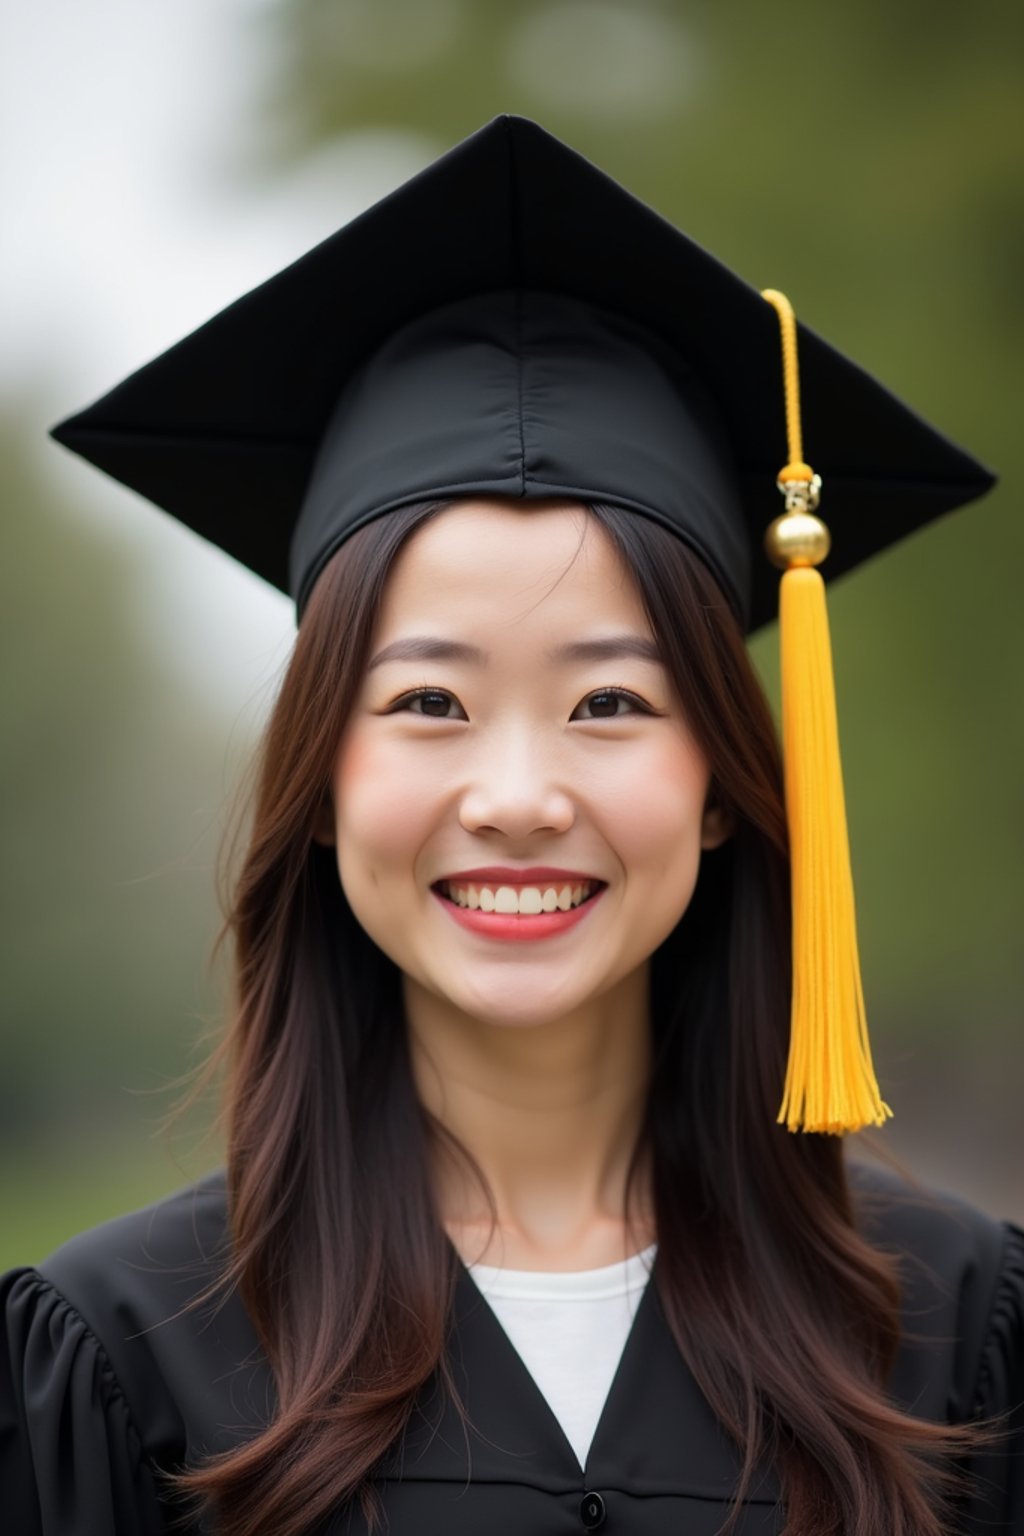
[(511, 320)]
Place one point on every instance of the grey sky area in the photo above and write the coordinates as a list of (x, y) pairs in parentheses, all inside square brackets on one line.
[(134, 209)]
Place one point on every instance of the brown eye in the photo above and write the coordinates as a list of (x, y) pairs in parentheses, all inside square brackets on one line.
[(609, 704), (434, 703)]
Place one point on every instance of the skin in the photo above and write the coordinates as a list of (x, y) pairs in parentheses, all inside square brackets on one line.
[(535, 1054)]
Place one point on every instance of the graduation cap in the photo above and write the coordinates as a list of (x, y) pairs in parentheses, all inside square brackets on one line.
[(511, 321)]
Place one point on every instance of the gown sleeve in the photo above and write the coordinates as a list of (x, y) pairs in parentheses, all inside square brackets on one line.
[(997, 1502), (71, 1459)]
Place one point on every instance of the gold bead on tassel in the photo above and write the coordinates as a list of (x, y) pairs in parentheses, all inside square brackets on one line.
[(830, 1080)]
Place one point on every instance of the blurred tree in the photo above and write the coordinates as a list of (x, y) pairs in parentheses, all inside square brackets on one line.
[(109, 815)]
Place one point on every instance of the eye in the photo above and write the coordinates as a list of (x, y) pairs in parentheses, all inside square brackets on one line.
[(610, 704), (435, 703)]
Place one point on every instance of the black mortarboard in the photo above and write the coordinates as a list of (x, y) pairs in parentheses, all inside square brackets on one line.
[(510, 321)]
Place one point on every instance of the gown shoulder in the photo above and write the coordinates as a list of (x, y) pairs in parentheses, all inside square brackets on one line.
[(106, 1357), (962, 1278), (962, 1355)]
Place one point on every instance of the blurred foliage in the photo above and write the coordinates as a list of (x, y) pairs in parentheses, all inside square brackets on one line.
[(107, 901), (869, 160)]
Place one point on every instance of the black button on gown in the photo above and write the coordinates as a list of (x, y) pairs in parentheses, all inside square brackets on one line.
[(105, 1380)]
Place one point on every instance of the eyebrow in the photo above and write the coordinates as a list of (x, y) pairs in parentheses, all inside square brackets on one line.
[(434, 648)]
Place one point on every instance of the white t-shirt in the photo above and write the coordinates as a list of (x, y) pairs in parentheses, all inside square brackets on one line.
[(569, 1329)]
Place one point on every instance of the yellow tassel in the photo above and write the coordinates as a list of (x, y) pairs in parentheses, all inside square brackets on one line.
[(830, 1080)]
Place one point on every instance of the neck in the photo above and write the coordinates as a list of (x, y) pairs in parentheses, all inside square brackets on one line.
[(550, 1116)]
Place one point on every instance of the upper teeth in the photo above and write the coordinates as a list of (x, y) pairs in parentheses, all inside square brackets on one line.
[(525, 900)]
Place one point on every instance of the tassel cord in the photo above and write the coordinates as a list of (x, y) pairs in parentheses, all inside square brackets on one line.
[(830, 1083)]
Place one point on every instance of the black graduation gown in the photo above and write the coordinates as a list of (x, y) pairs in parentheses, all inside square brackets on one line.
[(104, 1380)]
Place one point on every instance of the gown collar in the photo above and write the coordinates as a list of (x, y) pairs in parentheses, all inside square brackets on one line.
[(656, 1434)]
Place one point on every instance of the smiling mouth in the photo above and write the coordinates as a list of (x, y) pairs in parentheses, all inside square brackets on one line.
[(519, 900)]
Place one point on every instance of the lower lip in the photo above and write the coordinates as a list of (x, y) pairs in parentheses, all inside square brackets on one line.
[(515, 929)]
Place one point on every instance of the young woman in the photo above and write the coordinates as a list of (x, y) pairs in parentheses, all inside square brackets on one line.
[(510, 1237)]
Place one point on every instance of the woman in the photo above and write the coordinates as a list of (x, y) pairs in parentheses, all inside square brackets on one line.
[(510, 1237)]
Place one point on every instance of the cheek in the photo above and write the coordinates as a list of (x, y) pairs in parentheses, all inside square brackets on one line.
[(659, 842), (656, 810), (382, 814)]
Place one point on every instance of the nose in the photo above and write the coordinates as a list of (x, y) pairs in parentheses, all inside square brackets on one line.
[(514, 789)]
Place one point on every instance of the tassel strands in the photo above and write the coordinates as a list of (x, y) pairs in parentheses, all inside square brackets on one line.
[(830, 1081)]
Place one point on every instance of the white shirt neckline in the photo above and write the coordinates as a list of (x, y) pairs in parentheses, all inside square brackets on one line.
[(569, 1329), (617, 1279)]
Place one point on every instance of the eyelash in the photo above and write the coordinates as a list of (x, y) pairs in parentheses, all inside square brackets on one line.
[(638, 705)]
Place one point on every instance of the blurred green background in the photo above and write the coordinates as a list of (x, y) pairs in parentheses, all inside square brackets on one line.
[(869, 160)]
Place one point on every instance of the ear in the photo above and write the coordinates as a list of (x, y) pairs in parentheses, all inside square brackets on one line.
[(717, 824), (323, 824)]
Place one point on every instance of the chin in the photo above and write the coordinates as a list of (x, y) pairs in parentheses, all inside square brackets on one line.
[(514, 1005)]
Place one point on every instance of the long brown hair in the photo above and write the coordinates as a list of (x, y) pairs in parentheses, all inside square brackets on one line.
[(786, 1316)]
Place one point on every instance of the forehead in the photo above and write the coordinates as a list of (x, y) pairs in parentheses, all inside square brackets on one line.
[(488, 561)]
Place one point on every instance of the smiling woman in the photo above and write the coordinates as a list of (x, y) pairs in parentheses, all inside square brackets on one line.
[(518, 687), (514, 1235)]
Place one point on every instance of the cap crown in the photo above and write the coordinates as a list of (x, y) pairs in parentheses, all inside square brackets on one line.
[(239, 430)]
